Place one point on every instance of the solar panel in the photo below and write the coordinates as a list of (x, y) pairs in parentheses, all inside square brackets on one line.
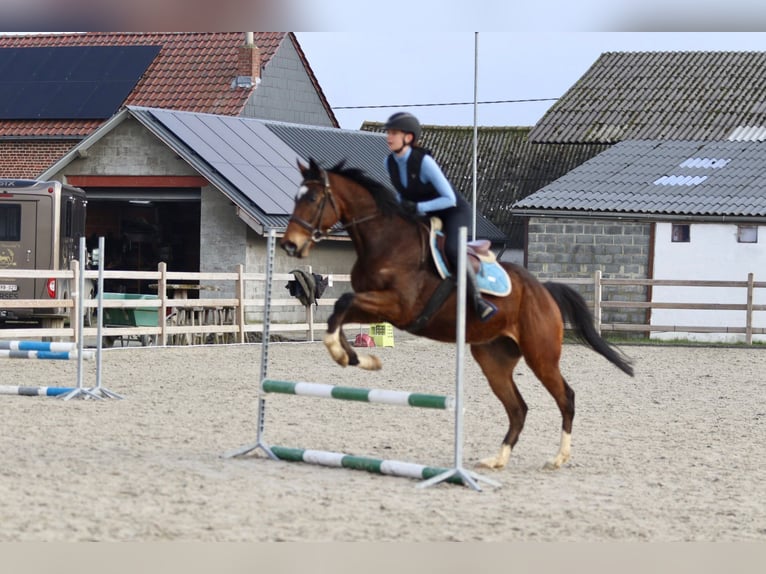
[(69, 82), (243, 151)]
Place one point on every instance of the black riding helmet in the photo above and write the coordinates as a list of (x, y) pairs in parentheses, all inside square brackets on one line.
[(405, 122)]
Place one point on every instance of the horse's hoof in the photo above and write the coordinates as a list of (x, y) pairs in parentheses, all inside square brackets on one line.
[(499, 461), (554, 464), (490, 463), (370, 363)]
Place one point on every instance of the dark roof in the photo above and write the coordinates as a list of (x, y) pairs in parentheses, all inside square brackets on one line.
[(508, 167), (661, 95), (193, 72), (329, 146), (662, 178)]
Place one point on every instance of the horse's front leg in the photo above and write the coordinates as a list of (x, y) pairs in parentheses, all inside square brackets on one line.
[(366, 307)]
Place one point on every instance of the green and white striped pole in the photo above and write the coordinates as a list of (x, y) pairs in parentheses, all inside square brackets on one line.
[(383, 396), (374, 465)]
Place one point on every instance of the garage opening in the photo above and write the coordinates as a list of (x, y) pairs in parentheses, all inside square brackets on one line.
[(143, 227)]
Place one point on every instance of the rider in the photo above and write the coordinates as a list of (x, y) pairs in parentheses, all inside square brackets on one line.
[(418, 179)]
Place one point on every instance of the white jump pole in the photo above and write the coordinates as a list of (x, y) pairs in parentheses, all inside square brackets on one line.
[(468, 477), (97, 392), (80, 391), (259, 444), (99, 389)]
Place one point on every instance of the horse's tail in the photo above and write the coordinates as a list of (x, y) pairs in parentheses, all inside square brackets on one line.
[(576, 312)]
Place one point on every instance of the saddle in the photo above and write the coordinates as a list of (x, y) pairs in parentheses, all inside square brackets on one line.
[(490, 275)]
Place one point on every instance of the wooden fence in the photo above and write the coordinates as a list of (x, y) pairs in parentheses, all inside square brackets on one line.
[(599, 304), (189, 320)]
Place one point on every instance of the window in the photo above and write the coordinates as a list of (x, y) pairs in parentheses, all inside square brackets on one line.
[(747, 234), (68, 218), (680, 233), (10, 223)]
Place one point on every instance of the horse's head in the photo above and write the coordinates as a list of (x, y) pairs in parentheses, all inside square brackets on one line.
[(314, 214)]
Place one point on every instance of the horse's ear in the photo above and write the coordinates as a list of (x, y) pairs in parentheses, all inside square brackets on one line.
[(302, 168), (313, 165)]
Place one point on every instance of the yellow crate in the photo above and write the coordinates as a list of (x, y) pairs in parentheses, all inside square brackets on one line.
[(382, 334)]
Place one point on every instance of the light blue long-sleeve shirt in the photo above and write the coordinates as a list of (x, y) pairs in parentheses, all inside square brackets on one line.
[(430, 172)]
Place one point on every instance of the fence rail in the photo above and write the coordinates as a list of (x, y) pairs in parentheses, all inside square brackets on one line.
[(599, 304), (184, 316)]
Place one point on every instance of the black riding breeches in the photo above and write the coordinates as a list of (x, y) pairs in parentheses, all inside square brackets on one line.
[(452, 220)]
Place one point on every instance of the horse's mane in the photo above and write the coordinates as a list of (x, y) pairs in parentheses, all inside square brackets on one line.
[(385, 199)]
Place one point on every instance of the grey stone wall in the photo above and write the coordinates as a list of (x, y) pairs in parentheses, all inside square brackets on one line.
[(327, 257), (223, 238), (286, 93), (559, 249), (129, 149)]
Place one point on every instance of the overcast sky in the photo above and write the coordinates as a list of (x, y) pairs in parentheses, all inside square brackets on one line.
[(371, 68)]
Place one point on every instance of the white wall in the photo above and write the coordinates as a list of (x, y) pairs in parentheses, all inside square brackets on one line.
[(712, 253)]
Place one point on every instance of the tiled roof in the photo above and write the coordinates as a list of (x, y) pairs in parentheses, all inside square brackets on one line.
[(192, 72), (662, 178), (508, 167), (661, 95)]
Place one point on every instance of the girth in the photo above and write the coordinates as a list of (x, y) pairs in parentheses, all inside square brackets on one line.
[(435, 303)]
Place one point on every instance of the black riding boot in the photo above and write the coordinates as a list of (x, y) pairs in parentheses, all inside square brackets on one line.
[(484, 309)]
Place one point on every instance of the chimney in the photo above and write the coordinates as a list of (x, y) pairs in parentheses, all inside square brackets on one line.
[(248, 65)]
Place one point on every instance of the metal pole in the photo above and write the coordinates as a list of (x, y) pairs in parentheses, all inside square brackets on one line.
[(99, 309), (270, 245), (81, 315), (79, 328), (468, 478), (460, 348), (99, 389), (475, 127)]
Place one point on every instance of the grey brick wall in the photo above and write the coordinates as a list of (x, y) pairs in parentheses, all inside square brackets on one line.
[(286, 93), (575, 248), (129, 149), (326, 257)]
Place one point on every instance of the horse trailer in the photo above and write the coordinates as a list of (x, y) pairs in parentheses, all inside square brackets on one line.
[(41, 223)]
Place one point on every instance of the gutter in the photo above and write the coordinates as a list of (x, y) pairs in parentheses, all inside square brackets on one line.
[(744, 219)]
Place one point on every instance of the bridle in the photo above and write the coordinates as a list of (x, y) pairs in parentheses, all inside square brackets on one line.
[(316, 233)]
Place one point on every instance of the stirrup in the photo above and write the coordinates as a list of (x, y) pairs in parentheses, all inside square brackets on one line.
[(485, 310)]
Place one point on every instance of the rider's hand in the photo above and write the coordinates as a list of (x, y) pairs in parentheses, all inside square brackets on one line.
[(410, 207)]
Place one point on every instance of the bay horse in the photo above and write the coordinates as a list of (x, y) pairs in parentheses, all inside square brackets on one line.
[(393, 280)]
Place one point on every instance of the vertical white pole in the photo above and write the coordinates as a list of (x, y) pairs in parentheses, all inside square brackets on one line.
[(460, 346), (80, 316), (99, 310), (475, 128)]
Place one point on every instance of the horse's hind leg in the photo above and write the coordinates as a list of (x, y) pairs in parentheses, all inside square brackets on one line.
[(497, 361), (565, 399), (547, 370)]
